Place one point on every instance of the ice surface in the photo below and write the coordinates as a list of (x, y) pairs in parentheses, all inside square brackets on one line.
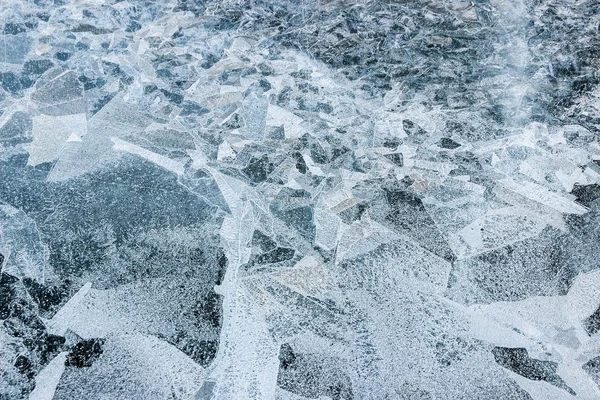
[(51, 133), (133, 366), (14, 48), (48, 378), (241, 200), (547, 325), (23, 253), (166, 163)]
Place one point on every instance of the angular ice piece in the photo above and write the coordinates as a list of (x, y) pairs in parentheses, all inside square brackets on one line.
[(115, 119), (80, 157), (340, 200), (242, 44), (226, 64), (47, 379), (24, 254), (544, 196), (472, 234), (161, 365), (198, 157), (15, 128), (540, 323), (312, 167), (167, 136), (225, 151), (499, 228), (61, 89), (204, 187), (327, 227), (352, 178), (118, 118), (254, 112), (222, 99), (494, 160), (160, 160), (74, 138), (443, 168), (277, 116), (236, 142), (592, 174), (14, 48), (231, 189), (361, 237), (388, 124), (540, 390), (293, 184), (480, 327), (464, 184), (308, 277), (532, 208), (134, 366), (63, 319), (236, 234), (583, 298), (51, 133), (535, 168), (165, 306), (569, 180), (297, 213)]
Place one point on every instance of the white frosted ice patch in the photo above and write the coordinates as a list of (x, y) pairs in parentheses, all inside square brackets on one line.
[(51, 133), (299, 200), (48, 378)]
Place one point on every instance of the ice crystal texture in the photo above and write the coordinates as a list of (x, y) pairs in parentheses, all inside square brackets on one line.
[(299, 199)]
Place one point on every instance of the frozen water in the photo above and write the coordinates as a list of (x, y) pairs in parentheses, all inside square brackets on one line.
[(260, 200)]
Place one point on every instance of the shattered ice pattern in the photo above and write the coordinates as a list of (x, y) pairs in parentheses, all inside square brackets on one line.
[(300, 199)]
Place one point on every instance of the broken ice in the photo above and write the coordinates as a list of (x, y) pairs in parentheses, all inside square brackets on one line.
[(283, 200)]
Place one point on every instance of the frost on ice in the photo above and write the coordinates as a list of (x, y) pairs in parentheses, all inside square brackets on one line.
[(273, 200)]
